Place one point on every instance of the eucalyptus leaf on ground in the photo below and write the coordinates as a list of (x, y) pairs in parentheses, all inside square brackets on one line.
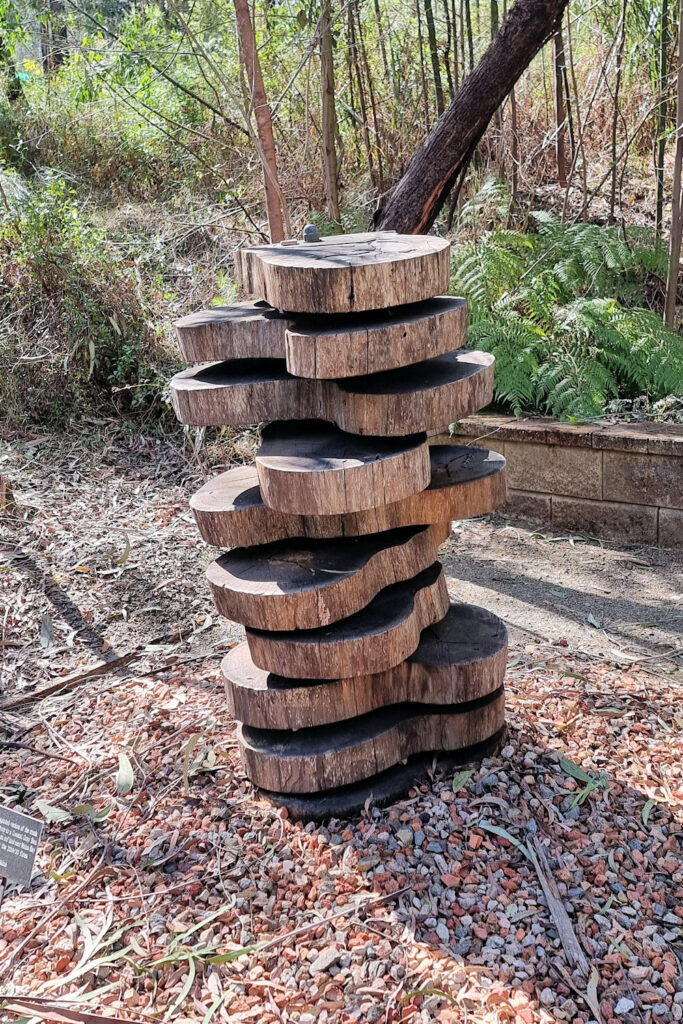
[(55, 815), (124, 776)]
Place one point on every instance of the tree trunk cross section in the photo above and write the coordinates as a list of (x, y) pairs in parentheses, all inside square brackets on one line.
[(356, 664), (325, 347), (425, 396), (346, 273)]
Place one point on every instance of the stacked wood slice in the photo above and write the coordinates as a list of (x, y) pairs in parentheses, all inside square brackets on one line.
[(356, 665)]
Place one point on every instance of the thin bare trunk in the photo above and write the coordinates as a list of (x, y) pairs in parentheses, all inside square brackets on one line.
[(423, 77), (373, 104), (434, 56), (447, 49), (676, 223), (615, 114), (264, 124), (355, 65), (495, 27), (329, 112), (560, 113), (470, 40), (456, 58), (514, 149), (578, 148), (662, 114), (383, 48)]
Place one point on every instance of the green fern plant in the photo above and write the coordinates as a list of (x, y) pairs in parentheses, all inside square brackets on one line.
[(561, 310)]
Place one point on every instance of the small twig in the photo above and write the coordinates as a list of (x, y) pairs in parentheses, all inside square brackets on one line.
[(35, 750), (362, 905)]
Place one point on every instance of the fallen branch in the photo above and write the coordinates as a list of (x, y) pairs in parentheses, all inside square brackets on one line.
[(101, 669), (36, 1007), (65, 684), (570, 943)]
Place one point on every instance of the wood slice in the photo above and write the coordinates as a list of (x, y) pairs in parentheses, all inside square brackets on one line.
[(295, 584), (311, 468), (459, 659), (369, 343), (243, 391), (439, 390), (246, 330), (465, 482), (325, 346), (385, 788), (430, 394), (327, 756), (379, 637), (346, 273)]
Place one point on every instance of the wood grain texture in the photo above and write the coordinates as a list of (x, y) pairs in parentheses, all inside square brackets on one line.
[(322, 346), (383, 634), (312, 468), (295, 584), (370, 343), (461, 658), (245, 330), (346, 273), (465, 482), (428, 395), (340, 754), (382, 789)]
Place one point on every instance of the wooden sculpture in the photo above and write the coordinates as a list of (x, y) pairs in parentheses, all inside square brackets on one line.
[(356, 665)]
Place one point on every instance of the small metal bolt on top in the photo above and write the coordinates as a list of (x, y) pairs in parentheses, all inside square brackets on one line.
[(311, 233)]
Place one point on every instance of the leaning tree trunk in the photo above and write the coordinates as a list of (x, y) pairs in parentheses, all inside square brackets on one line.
[(264, 124), (448, 149)]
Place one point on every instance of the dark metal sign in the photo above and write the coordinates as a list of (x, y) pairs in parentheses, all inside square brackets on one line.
[(19, 837)]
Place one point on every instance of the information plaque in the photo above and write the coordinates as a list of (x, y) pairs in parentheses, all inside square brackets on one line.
[(19, 838)]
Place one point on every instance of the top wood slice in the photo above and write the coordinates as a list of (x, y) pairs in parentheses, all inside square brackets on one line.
[(346, 273)]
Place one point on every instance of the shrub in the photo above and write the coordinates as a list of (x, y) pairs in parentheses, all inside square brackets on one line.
[(76, 335), (561, 309)]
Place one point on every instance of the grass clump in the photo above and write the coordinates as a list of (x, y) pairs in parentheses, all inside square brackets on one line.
[(76, 332)]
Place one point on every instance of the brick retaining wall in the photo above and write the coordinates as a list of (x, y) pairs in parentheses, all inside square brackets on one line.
[(618, 482)]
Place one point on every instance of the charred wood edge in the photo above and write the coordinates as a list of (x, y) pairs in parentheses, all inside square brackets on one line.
[(380, 790)]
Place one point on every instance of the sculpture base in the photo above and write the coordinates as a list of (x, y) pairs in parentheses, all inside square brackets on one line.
[(382, 789)]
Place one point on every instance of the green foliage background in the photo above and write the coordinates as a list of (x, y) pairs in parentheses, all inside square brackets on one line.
[(128, 174)]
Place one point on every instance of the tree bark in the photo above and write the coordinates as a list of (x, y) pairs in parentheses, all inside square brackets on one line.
[(448, 149), (264, 124), (676, 223), (329, 113)]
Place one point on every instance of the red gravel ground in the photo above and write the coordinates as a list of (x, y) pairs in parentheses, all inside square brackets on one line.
[(511, 890)]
